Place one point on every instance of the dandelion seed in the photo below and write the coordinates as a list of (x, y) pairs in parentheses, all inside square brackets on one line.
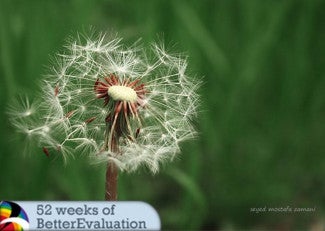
[(46, 151), (114, 104)]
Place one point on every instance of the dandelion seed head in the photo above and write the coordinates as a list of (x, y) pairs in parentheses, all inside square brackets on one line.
[(128, 105)]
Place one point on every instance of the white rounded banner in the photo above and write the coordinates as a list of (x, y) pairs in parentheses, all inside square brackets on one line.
[(90, 215)]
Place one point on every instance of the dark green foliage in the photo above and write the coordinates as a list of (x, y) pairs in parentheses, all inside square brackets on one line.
[(262, 121)]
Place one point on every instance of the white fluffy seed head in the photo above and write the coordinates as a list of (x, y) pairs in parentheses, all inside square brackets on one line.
[(69, 119), (122, 93)]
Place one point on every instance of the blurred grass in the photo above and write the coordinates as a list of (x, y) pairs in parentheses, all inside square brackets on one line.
[(262, 125)]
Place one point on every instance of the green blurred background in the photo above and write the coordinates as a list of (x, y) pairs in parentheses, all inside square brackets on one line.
[(262, 121)]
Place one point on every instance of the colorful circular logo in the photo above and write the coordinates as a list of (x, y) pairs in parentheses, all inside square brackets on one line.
[(12, 217)]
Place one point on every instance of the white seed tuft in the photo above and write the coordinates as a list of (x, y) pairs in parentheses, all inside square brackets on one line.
[(69, 119)]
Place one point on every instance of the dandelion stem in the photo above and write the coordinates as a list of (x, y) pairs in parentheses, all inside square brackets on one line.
[(112, 170), (111, 182)]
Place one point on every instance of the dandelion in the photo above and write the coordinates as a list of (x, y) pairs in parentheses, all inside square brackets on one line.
[(126, 106)]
